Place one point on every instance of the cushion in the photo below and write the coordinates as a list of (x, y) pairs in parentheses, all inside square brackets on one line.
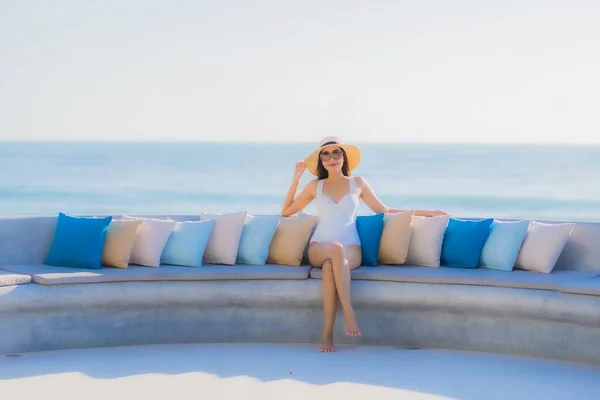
[(466, 276), (150, 241), (395, 237), (590, 286), (369, 229), (51, 275), (187, 243), (120, 238), (463, 242), (542, 246), (290, 239), (426, 239), (503, 244), (78, 242), (10, 278), (256, 239), (224, 240)]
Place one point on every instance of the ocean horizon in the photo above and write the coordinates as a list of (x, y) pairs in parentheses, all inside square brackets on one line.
[(543, 182)]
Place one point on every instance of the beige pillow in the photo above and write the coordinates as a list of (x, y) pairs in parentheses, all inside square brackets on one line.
[(290, 239), (542, 246), (224, 241), (150, 240), (426, 239), (120, 238), (395, 238)]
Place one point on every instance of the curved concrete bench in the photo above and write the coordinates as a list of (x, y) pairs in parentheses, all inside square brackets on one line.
[(555, 315)]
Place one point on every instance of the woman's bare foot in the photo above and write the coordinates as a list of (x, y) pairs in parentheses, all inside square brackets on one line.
[(327, 345), (351, 325)]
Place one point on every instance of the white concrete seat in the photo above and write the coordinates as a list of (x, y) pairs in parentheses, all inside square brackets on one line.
[(503, 320), (458, 276), (408, 306), (53, 275)]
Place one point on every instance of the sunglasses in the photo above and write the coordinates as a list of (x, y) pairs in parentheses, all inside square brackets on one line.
[(337, 154)]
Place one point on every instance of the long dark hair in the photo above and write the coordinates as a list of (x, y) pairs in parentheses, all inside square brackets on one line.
[(322, 172)]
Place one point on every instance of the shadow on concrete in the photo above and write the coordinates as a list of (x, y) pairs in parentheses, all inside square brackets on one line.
[(452, 374)]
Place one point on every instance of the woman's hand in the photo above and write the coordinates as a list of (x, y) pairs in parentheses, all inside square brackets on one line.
[(299, 170)]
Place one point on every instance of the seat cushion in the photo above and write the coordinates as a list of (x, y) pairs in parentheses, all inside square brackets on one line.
[(10, 278), (52, 275), (590, 286), (478, 276)]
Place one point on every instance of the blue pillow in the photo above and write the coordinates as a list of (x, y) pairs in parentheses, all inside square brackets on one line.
[(256, 238), (369, 229), (503, 245), (78, 242), (187, 243), (463, 242)]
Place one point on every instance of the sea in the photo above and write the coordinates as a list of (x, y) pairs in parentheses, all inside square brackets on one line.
[(549, 182)]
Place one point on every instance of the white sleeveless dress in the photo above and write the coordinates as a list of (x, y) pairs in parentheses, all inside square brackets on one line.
[(337, 221)]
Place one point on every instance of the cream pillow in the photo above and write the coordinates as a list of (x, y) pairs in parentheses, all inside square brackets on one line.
[(542, 246), (150, 241), (120, 238), (395, 238), (290, 239), (224, 240), (426, 239)]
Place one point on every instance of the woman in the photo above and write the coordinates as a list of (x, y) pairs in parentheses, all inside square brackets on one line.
[(335, 244)]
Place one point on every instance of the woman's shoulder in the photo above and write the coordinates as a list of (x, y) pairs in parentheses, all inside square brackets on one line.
[(360, 181), (312, 185)]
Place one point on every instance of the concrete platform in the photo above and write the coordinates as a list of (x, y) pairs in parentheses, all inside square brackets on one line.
[(282, 371)]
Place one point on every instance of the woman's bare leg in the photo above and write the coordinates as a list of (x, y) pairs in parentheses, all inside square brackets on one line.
[(342, 261), (329, 307)]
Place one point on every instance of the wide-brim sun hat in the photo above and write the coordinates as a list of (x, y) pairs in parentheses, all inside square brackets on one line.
[(352, 153)]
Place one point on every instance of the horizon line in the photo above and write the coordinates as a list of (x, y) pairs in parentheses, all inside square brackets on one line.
[(296, 142)]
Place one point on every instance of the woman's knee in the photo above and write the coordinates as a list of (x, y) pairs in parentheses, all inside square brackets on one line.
[(331, 251), (336, 252)]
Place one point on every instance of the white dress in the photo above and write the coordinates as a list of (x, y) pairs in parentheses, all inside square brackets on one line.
[(337, 221)]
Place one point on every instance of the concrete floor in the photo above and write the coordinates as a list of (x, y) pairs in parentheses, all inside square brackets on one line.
[(282, 371)]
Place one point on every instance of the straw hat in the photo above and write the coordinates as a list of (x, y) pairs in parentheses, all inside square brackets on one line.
[(352, 153)]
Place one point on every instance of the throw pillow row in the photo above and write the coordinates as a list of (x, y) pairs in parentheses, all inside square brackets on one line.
[(444, 241), (234, 238)]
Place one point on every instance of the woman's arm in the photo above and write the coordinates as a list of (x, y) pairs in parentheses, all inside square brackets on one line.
[(369, 197), (373, 202), (292, 205)]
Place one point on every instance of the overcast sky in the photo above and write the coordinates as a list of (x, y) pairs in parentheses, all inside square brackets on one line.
[(253, 70)]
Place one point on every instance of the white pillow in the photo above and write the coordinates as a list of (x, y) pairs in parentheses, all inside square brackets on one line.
[(224, 240), (542, 246), (150, 240), (426, 239)]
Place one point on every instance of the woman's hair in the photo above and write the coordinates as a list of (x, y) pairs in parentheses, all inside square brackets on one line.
[(322, 172)]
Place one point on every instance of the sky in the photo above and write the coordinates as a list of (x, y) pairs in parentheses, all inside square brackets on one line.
[(424, 71)]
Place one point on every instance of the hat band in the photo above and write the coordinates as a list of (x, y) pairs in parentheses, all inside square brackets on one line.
[(328, 143)]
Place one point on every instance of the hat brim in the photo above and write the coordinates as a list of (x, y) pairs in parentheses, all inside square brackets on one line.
[(352, 153)]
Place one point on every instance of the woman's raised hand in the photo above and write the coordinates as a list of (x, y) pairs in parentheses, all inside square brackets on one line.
[(299, 170)]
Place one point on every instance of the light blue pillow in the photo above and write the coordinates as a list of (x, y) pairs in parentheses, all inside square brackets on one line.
[(256, 238), (78, 242), (187, 243), (369, 229), (464, 241), (503, 245)]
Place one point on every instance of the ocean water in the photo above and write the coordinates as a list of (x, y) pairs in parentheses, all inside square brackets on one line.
[(501, 181)]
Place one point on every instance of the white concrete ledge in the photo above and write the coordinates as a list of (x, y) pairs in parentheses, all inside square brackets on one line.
[(503, 320)]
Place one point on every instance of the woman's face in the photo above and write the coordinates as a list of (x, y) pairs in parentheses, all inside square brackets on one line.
[(332, 158)]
